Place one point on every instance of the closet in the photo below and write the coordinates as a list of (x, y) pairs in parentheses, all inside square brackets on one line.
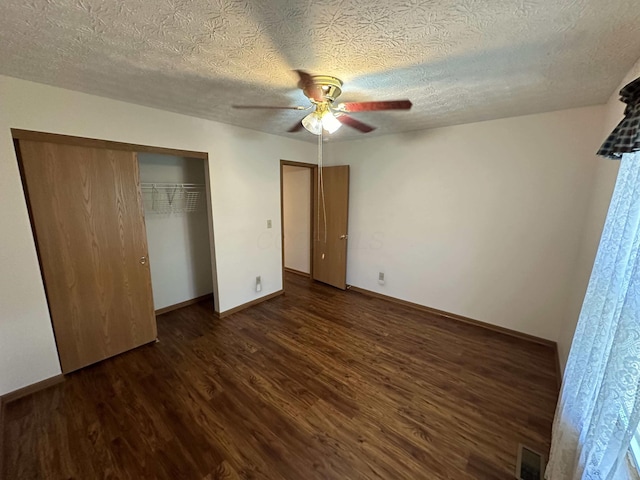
[(174, 200), (86, 203)]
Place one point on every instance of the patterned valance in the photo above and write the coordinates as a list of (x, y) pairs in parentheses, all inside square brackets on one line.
[(626, 136)]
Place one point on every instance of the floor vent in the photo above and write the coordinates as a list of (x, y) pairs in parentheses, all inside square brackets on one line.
[(530, 464)]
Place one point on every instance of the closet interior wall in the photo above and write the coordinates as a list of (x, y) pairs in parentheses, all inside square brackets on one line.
[(176, 220)]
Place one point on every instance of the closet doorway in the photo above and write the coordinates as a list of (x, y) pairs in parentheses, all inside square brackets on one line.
[(176, 218), (87, 203)]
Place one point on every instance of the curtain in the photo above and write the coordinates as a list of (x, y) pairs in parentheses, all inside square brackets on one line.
[(626, 136), (599, 406)]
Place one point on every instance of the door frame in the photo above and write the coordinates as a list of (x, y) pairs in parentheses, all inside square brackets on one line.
[(312, 193), (19, 134)]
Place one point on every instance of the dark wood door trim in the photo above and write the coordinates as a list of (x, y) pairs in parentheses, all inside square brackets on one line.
[(291, 163), (312, 180), (105, 144)]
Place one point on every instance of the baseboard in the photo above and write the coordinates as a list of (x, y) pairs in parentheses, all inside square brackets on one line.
[(459, 318), (297, 272), (186, 303), (29, 389), (558, 367), (1, 438), (239, 308)]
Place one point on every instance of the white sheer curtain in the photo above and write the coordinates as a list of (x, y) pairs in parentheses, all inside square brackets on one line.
[(599, 406)]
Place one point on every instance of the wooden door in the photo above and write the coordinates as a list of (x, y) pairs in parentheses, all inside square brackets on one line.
[(330, 250), (87, 216)]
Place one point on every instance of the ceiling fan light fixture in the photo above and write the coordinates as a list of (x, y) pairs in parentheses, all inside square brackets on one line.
[(321, 119), (313, 123), (330, 123)]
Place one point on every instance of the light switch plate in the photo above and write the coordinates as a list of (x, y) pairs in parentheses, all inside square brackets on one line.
[(268, 223)]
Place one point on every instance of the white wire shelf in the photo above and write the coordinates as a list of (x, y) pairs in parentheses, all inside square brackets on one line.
[(164, 198)]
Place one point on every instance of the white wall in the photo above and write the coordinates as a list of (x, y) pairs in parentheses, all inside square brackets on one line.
[(482, 220), (27, 347), (179, 252), (296, 192), (601, 190), (244, 175)]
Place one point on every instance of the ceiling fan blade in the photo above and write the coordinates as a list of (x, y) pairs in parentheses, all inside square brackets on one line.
[(296, 128), (353, 123), (372, 106), (306, 81), (269, 107), (308, 85)]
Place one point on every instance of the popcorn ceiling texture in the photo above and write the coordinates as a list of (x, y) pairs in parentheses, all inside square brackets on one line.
[(459, 61)]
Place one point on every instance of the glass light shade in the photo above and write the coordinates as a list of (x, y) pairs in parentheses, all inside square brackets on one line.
[(312, 123), (316, 121), (330, 123)]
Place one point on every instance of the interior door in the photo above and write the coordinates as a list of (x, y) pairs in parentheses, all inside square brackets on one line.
[(87, 216), (330, 250)]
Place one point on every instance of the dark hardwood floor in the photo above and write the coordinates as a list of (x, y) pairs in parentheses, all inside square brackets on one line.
[(316, 384)]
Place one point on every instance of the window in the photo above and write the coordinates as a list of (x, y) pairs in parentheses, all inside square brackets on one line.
[(601, 377), (635, 450)]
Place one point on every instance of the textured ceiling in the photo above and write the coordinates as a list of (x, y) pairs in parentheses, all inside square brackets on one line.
[(459, 61)]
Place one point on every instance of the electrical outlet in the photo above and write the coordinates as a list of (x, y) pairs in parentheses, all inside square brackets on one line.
[(268, 223), (381, 278), (258, 284)]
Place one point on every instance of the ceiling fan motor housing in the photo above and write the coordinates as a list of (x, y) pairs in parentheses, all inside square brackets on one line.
[(325, 89)]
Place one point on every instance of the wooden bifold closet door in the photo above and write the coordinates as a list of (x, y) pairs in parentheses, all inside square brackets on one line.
[(87, 216)]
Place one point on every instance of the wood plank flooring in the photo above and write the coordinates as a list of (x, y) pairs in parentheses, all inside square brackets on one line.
[(316, 384)]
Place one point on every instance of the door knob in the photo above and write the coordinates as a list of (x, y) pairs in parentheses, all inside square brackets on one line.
[(143, 260), (344, 237)]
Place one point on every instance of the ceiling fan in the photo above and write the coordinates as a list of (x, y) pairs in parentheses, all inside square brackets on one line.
[(322, 91)]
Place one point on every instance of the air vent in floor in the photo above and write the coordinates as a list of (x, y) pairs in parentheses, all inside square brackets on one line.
[(530, 464)]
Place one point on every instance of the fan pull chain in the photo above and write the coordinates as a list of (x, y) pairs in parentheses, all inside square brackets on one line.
[(321, 190)]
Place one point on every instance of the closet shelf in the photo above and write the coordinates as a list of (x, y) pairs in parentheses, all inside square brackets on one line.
[(163, 198)]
